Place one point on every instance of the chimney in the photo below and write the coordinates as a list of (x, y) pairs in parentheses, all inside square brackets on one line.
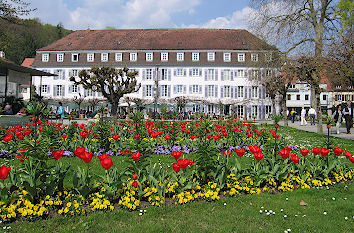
[(2, 54)]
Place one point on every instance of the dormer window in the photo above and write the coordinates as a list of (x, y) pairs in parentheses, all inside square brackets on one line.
[(90, 57), (227, 57), (149, 56), (45, 57), (133, 56), (180, 56), (104, 57), (164, 56), (195, 56), (60, 57), (211, 56), (254, 57), (74, 57), (119, 57)]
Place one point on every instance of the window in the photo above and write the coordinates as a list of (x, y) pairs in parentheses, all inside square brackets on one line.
[(254, 93), (241, 57), (179, 88), (163, 74), (196, 108), (59, 90), (292, 86), (119, 57), (195, 72), (133, 56), (164, 56), (89, 93), (45, 57), (74, 88), (211, 56), (90, 57), (297, 97), (164, 91), (23, 89), (268, 73), (44, 88), (240, 91), (240, 73), (268, 57), (210, 74), (324, 97), (74, 57), (254, 111), (254, 57), (149, 90), (60, 74), (255, 74), (195, 56), (180, 56), (60, 57), (240, 110), (148, 74), (306, 97), (227, 75), (227, 57), (289, 97), (104, 57), (179, 72), (227, 93), (149, 56), (195, 89), (75, 73), (211, 90), (268, 109)]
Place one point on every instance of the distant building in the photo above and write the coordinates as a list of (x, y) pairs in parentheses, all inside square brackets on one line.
[(207, 66)]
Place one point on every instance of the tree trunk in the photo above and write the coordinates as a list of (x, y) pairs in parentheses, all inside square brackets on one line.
[(283, 103), (273, 108), (319, 111), (114, 108)]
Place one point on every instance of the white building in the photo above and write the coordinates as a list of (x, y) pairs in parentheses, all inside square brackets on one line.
[(207, 66)]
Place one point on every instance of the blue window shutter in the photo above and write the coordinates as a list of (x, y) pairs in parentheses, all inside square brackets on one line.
[(249, 92), (169, 74), (55, 91), (216, 71), (231, 75), (222, 92), (154, 74), (144, 74), (190, 72), (184, 89), (222, 75), (63, 77), (144, 90), (78, 88), (174, 89), (70, 73), (85, 93), (159, 75), (205, 75), (245, 95), (174, 72), (169, 90), (231, 92), (263, 112), (236, 92), (48, 89), (184, 72), (70, 91), (190, 89), (249, 73), (55, 77), (206, 91), (216, 90), (200, 89)]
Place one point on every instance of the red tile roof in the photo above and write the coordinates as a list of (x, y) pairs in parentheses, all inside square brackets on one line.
[(28, 62), (159, 39)]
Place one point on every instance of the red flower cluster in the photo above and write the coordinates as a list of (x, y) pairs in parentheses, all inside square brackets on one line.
[(135, 156), (240, 152), (105, 161), (57, 154), (176, 154), (84, 134), (83, 154), (181, 163), (8, 137), (257, 152), (115, 137)]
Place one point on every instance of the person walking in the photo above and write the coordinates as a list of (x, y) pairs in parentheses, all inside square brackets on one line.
[(348, 116), (293, 114), (337, 116), (303, 116), (60, 113), (312, 113)]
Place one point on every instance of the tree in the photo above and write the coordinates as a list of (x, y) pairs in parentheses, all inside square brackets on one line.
[(298, 23), (11, 9), (111, 82), (79, 100)]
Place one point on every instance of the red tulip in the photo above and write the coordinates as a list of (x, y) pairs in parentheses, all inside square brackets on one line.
[(294, 158), (240, 152), (27, 131), (184, 163), (136, 136), (284, 153), (255, 149), (316, 150), (135, 156), (57, 154), (115, 137), (348, 155), (84, 134), (258, 156), (227, 153), (79, 151), (135, 184), (135, 176), (193, 137), (209, 136), (103, 156), (4, 172), (106, 163), (338, 151), (65, 136), (176, 154), (167, 137), (176, 168), (155, 135), (87, 157), (8, 137), (304, 151), (351, 159), (324, 152)]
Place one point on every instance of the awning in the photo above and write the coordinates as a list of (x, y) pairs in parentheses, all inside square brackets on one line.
[(6, 65)]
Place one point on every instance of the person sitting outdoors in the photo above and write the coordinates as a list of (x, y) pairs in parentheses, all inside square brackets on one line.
[(7, 110)]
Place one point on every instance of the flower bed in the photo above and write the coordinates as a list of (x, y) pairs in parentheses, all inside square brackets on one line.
[(203, 160)]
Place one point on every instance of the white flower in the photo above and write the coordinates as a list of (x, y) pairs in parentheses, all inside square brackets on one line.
[(295, 215), (144, 211), (287, 199), (260, 211), (303, 215), (345, 198), (140, 214), (285, 216), (333, 198), (289, 230), (325, 213), (346, 218), (262, 207), (281, 210), (224, 203), (268, 213)]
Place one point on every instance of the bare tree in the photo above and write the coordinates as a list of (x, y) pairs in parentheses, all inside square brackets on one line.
[(79, 100), (93, 102), (112, 83), (297, 23), (11, 9)]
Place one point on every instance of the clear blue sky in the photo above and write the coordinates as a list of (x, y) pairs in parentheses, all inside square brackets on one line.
[(97, 14)]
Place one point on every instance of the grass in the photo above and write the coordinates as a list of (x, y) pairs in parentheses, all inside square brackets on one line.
[(237, 214)]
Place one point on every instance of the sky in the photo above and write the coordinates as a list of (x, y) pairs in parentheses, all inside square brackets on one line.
[(98, 14)]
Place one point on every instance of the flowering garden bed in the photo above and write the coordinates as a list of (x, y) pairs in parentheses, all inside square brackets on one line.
[(54, 169)]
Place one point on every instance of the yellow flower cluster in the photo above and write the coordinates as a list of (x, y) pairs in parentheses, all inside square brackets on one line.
[(128, 199), (340, 176), (171, 187), (99, 202), (188, 196), (286, 186)]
